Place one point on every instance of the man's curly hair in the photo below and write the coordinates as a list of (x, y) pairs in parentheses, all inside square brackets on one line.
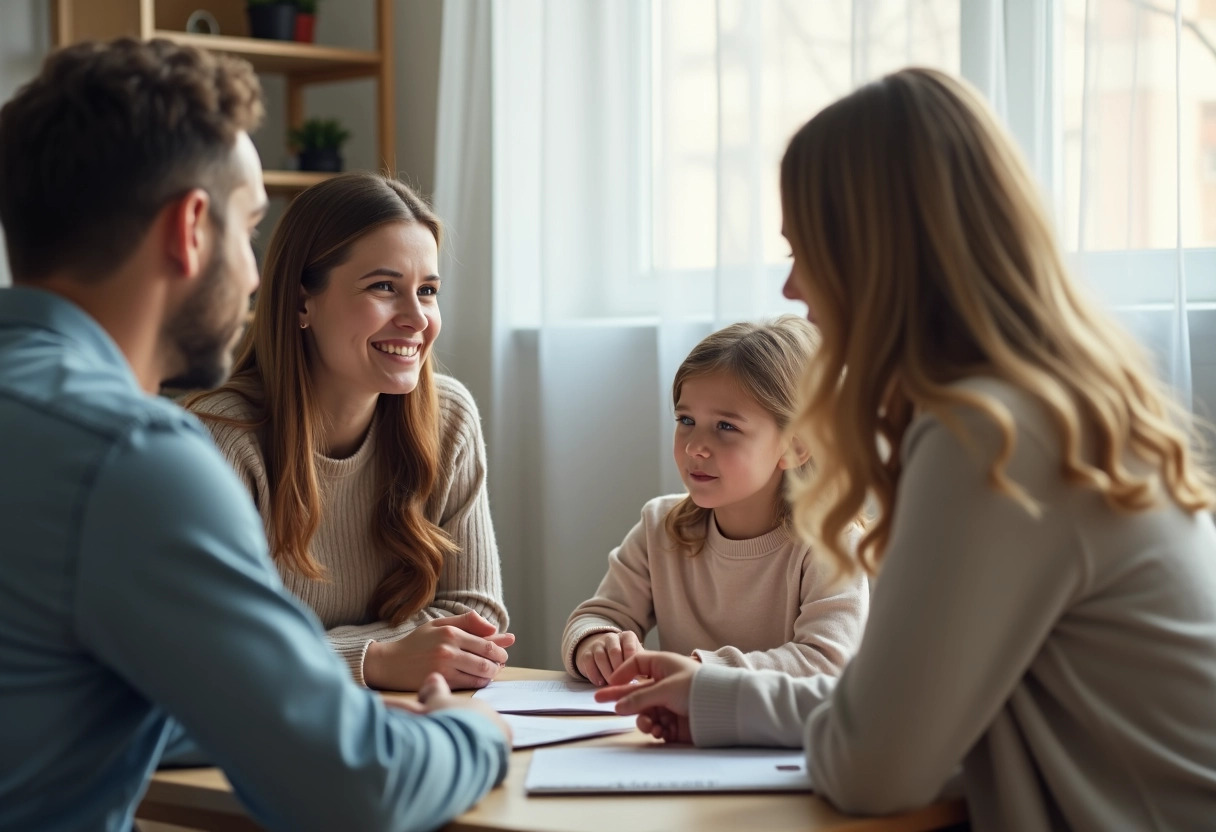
[(104, 137)]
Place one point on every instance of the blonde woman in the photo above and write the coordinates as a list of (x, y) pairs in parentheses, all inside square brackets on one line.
[(1045, 612), (368, 468), (718, 570)]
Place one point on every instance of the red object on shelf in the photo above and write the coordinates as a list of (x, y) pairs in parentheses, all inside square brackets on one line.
[(305, 27)]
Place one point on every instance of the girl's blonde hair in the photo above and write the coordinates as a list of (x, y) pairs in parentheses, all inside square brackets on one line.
[(926, 257), (768, 361), (316, 234)]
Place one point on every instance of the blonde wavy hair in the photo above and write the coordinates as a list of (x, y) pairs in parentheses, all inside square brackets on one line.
[(768, 361), (926, 257)]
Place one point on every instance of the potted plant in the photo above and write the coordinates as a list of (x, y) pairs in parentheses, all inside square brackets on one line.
[(273, 19), (318, 141), (306, 20)]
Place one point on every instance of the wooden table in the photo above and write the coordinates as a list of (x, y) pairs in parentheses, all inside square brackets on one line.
[(202, 799)]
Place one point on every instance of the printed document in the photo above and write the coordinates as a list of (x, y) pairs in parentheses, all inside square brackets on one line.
[(531, 731), (562, 696)]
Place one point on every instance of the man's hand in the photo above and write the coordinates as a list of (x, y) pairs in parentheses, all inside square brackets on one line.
[(434, 695)]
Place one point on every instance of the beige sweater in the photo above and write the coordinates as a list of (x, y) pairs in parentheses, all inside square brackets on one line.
[(1067, 661), (759, 603), (470, 580)]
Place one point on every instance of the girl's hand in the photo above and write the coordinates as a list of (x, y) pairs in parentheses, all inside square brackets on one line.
[(466, 650), (597, 656), (661, 700)]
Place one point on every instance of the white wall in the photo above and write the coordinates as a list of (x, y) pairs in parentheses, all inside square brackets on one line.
[(25, 37)]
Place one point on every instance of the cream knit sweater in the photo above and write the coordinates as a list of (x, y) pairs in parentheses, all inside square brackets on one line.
[(470, 580), (764, 603)]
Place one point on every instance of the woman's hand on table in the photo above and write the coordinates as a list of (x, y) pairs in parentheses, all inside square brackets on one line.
[(598, 655), (434, 695), (466, 650), (660, 699)]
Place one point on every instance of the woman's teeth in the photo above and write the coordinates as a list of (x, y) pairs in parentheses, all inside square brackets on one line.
[(391, 350)]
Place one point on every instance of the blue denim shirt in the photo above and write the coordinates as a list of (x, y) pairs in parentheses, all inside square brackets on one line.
[(136, 594)]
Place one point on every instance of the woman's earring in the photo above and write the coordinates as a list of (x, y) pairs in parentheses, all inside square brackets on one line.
[(303, 324)]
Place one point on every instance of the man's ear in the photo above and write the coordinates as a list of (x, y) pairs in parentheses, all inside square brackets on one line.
[(796, 455), (188, 231)]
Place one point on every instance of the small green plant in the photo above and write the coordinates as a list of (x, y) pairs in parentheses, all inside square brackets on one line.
[(307, 6), (318, 134)]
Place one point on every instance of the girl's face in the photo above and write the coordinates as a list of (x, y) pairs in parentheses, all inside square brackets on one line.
[(374, 324), (730, 453)]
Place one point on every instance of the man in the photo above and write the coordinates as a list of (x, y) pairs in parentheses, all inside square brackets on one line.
[(136, 593)]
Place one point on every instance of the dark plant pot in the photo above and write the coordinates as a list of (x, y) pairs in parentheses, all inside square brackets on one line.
[(276, 21), (327, 160), (306, 25)]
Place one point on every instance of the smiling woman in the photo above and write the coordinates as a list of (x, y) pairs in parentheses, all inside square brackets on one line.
[(372, 327), (368, 468)]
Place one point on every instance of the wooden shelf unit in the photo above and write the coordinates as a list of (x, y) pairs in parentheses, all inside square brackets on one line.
[(290, 181), (282, 56), (301, 64)]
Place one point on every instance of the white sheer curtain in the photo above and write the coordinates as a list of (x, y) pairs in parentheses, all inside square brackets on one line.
[(1138, 92), (633, 152)]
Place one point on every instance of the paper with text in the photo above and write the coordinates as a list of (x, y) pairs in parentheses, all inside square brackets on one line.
[(548, 697), (666, 768), (531, 731)]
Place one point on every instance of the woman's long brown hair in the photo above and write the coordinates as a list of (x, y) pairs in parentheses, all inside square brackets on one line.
[(926, 256), (314, 235)]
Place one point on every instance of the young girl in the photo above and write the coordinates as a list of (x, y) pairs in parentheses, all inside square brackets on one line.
[(1046, 611), (717, 570), (368, 467)]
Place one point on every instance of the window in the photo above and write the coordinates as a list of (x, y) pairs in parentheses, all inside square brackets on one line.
[(728, 90), (1136, 145)]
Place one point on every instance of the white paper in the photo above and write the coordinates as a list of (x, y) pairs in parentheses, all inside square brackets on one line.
[(549, 697), (666, 768), (531, 731)]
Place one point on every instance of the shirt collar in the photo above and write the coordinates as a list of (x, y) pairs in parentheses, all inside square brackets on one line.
[(30, 307)]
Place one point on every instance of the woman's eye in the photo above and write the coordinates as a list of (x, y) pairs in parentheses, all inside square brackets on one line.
[(382, 286), (725, 426), (428, 290), (685, 420)]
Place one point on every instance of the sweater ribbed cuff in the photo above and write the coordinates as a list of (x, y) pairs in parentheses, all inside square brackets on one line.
[(354, 655), (708, 657), (713, 705)]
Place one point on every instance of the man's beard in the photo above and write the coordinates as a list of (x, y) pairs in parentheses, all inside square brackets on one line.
[(202, 342)]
